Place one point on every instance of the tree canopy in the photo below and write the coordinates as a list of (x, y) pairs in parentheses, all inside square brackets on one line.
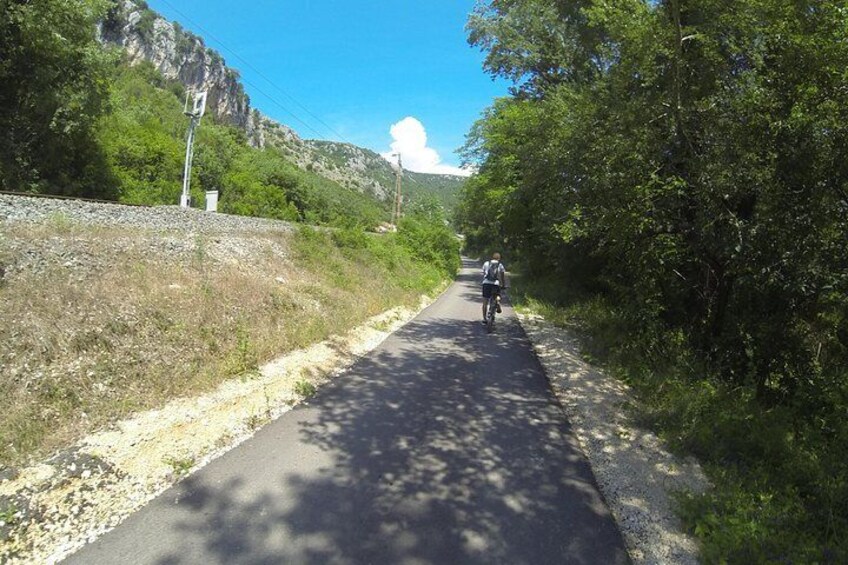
[(54, 90)]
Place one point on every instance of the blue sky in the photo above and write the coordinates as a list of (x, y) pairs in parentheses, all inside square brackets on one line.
[(360, 67)]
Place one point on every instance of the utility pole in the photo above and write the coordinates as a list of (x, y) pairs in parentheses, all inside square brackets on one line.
[(396, 211), (198, 107)]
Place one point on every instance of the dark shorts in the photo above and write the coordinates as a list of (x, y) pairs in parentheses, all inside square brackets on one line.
[(490, 290)]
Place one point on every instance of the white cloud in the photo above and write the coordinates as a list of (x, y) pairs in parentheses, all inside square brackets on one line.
[(410, 140)]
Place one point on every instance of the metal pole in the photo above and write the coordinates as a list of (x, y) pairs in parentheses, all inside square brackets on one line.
[(184, 199), (397, 189), (198, 107)]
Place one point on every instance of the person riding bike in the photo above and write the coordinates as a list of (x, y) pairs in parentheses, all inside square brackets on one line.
[(494, 279)]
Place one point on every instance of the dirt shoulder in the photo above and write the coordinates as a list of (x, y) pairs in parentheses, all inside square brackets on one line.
[(635, 472)]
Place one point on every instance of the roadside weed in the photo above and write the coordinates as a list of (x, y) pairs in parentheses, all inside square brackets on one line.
[(304, 388), (180, 465)]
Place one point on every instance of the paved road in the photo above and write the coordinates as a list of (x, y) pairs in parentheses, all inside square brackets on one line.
[(444, 445)]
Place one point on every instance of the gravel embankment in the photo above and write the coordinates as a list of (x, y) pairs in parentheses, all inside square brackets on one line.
[(160, 234), (635, 472), (170, 218)]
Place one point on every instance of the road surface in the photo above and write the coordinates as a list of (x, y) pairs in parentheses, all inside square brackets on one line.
[(443, 445)]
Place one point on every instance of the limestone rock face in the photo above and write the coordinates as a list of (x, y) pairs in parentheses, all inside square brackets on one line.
[(179, 55)]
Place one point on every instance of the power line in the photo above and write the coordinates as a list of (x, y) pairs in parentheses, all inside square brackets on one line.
[(274, 101), (262, 75)]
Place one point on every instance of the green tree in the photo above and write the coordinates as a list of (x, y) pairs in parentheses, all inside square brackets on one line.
[(257, 184), (54, 90), (142, 135)]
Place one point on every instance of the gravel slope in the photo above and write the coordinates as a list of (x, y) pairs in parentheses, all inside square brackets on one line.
[(171, 218)]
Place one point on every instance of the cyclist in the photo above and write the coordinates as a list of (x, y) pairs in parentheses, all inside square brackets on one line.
[(494, 279)]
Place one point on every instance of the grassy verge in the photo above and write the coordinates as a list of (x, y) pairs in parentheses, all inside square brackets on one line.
[(109, 322), (781, 479)]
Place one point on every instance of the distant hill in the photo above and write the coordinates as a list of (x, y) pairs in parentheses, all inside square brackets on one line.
[(362, 169)]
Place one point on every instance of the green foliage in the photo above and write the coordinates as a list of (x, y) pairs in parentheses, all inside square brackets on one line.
[(416, 186), (443, 189), (180, 465), (214, 57), (243, 359), (682, 164), (304, 388), (185, 41), (255, 421), (54, 90), (146, 22), (256, 185), (8, 513), (419, 257), (142, 136), (430, 240), (350, 238)]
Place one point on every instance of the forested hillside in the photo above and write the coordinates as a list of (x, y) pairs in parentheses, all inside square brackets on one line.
[(674, 174), (366, 171), (143, 141), (80, 120)]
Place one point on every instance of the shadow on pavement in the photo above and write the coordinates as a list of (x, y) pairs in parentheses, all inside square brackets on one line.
[(442, 446)]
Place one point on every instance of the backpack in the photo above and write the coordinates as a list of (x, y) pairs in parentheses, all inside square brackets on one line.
[(493, 271)]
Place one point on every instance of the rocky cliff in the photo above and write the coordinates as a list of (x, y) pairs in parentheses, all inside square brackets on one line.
[(179, 55)]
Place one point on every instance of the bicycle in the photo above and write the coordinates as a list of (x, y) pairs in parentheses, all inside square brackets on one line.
[(491, 311)]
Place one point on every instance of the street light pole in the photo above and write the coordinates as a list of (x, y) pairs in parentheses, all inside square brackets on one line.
[(197, 110), (396, 210)]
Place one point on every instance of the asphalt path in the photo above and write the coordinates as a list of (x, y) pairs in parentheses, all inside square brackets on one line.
[(443, 445)]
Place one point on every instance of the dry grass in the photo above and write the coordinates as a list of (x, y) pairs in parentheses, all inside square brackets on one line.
[(96, 323)]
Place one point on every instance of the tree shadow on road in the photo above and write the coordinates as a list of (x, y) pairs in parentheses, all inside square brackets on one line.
[(444, 446)]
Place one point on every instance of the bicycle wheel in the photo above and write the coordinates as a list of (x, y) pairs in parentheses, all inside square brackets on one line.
[(490, 314)]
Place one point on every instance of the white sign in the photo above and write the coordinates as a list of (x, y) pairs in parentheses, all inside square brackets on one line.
[(211, 200)]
